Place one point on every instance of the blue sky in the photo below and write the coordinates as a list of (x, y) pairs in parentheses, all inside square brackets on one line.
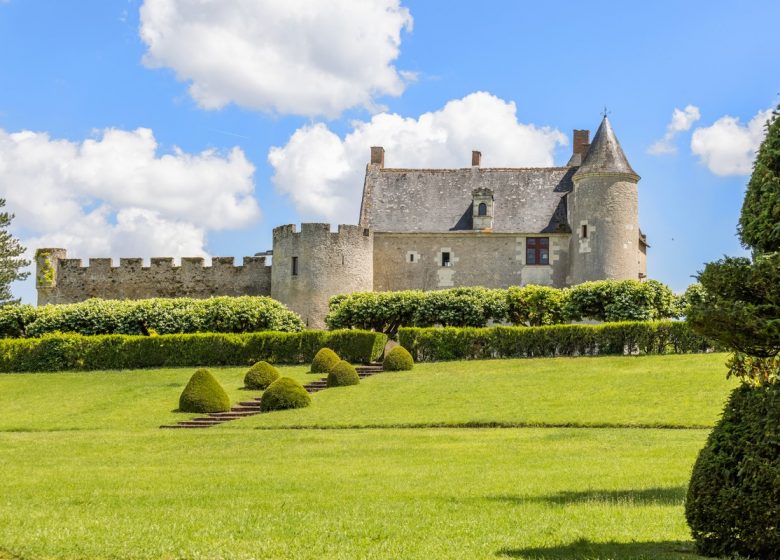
[(178, 127)]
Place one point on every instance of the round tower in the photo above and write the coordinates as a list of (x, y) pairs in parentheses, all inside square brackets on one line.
[(312, 265), (604, 214)]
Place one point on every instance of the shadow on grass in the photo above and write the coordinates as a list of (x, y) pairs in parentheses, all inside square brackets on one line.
[(586, 550), (663, 496)]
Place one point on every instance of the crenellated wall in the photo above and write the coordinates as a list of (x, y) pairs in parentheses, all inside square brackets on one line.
[(63, 280)]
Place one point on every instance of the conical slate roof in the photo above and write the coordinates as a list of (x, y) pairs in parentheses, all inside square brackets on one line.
[(605, 154)]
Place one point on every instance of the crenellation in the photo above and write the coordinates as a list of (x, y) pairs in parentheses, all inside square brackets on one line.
[(161, 262), (222, 262), (100, 265), (131, 263)]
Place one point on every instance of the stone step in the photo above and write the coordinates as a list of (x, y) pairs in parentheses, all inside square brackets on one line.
[(253, 403), (253, 407), (231, 415)]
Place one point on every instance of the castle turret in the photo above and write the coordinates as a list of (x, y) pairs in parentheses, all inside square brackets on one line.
[(603, 213), (314, 264)]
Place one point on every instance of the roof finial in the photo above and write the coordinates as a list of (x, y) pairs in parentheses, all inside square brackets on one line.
[(604, 113)]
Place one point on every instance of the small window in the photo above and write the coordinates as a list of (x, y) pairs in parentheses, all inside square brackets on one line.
[(411, 257), (295, 266), (537, 250), (445, 259), (482, 209), (584, 231)]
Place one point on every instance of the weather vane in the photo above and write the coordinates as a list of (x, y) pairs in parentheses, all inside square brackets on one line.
[(604, 113)]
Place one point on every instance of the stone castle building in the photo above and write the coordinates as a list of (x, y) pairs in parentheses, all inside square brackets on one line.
[(421, 229)]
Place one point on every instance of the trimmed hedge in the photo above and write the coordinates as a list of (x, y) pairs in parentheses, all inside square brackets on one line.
[(398, 359), (284, 393), (260, 376), (733, 501), (150, 316), (324, 361), (606, 300), (72, 351), (343, 374), (203, 393), (642, 337)]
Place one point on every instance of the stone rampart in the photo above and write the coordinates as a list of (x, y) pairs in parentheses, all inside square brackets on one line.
[(63, 280)]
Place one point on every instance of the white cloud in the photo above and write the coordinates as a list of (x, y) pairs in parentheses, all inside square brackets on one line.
[(727, 147), (113, 195), (682, 120), (323, 173), (305, 57)]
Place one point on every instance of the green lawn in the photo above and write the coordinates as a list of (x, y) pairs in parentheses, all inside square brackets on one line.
[(86, 473)]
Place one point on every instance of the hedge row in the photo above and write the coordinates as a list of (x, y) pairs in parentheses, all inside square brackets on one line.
[(150, 316), (606, 300), (645, 337), (72, 351)]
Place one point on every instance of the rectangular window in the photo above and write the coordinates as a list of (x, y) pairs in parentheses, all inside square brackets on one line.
[(445, 259), (295, 266), (411, 257), (585, 231), (537, 250)]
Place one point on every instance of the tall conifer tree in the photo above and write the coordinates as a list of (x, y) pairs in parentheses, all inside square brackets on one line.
[(11, 260)]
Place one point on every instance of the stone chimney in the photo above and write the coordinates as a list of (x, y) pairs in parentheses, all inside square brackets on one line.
[(378, 156), (581, 142), (476, 158)]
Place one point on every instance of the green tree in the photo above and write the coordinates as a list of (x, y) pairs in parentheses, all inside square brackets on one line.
[(734, 496), (759, 223), (11, 260)]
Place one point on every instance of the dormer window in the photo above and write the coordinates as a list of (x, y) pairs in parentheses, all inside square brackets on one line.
[(482, 203)]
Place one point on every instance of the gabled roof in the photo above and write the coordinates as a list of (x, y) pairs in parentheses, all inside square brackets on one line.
[(605, 154)]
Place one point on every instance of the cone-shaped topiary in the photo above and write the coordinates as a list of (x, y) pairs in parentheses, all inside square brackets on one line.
[(398, 359), (733, 503), (284, 393), (342, 374), (260, 376), (203, 393), (324, 361)]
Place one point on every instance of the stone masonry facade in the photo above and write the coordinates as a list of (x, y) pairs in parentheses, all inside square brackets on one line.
[(423, 229)]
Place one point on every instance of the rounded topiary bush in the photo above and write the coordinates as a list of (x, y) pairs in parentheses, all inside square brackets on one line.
[(733, 502), (342, 374), (260, 376), (398, 359), (284, 393), (203, 393), (324, 361)]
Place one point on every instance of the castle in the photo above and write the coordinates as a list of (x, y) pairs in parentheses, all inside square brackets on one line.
[(420, 229)]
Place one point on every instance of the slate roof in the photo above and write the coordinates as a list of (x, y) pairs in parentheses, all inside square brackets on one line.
[(440, 200), (605, 154)]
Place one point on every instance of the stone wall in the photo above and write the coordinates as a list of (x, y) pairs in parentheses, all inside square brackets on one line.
[(404, 261), (63, 280), (327, 264), (607, 205)]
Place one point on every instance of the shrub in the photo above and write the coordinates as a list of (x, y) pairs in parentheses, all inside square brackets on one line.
[(733, 502), (639, 337), (71, 351), (260, 375), (342, 374), (534, 306), (284, 393), (142, 317), (621, 300), (203, 393), (324, 361), (398, 359)]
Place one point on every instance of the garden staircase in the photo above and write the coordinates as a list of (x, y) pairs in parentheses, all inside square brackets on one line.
[(252, 407)]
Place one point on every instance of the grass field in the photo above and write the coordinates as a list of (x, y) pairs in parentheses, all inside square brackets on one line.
[(86, 473)]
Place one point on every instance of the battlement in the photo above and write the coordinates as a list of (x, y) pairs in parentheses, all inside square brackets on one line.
[(64, 280), (321, 231)]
